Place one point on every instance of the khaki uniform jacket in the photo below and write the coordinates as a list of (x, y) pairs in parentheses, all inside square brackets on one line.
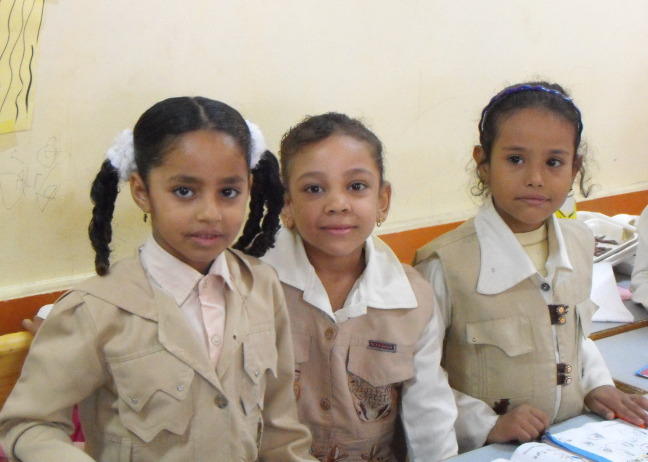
[(501, 348), (146, 390)]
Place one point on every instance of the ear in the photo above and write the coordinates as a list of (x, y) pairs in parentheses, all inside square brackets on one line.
[(384, 201), (483, 168), (576, 166), (287, 217), (140, 193)]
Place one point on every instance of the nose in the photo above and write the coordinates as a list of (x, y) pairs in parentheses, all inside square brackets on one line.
[(209, 210), (337, 202), (534, 176)]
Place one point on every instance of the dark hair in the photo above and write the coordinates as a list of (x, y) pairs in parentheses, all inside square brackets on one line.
[(154, 134), (316, 128), (549, 96)]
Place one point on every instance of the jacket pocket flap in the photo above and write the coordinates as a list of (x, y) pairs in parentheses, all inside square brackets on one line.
[(380, 367), (260, 354), (511, 335), (137, 379)]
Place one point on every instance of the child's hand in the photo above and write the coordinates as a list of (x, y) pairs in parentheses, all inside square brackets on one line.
[(32, 325), (608, 402), (523, 423)]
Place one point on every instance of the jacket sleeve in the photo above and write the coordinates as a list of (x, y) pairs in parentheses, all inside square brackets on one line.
[(62, 368), (284, 438), (428, 407)]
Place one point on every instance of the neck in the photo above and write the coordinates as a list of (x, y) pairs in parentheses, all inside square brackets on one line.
[(338, 274)]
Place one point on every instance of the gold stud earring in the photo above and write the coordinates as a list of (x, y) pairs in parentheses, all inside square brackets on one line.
[(379, 222), (145, 217)]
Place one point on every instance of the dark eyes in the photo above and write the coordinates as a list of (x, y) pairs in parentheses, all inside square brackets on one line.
[(230, 193), (313, 189), (186, 193), (183, 192)]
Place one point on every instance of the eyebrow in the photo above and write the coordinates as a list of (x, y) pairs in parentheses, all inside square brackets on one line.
[(319, 174), (521, 149), (187, 179)]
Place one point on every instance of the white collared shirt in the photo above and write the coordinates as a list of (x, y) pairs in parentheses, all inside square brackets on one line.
[(382, 285)]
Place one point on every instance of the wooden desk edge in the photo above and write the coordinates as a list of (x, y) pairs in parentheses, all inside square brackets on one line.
[(619, 329)]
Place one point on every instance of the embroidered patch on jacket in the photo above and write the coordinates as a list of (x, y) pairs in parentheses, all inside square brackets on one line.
[(382, 346), (372, 403)]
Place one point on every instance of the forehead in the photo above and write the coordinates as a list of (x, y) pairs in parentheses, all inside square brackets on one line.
[(204, 152), (535, 124), (337, 153)]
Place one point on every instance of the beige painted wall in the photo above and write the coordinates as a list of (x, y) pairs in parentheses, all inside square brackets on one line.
[(417, 72)]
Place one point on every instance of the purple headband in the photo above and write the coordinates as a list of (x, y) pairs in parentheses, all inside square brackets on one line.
[(520, 88)]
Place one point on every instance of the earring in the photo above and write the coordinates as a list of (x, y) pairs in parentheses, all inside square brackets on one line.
[(379, 222), (145, 217)]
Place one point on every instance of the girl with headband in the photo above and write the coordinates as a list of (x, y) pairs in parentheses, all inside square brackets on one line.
[(183, 351), (514, 282)]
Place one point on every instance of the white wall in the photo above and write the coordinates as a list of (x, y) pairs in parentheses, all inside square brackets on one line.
[(417, 72)]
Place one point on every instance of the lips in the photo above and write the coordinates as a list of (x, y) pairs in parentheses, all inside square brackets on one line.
[(206, 237), (534, 199), (338, 229)]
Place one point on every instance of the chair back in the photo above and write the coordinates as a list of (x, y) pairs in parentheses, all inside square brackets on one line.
[(13, 351)]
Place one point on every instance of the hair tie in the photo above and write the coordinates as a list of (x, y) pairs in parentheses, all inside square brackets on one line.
[(524, 87), (258, 145), (122, 155)]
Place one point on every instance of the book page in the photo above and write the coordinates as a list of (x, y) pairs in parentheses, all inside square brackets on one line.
[(541, 452), (608, 441)]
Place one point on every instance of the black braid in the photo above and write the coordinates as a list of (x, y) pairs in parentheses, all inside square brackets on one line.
[(103, 194), (267, 194)]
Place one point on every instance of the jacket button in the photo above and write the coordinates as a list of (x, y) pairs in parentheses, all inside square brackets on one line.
[(562, 320), (180, 387), (330, 333), (325, 404), (221, 401), (546, 287)]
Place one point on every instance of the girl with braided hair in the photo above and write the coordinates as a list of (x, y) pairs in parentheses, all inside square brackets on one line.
[(182, 352)]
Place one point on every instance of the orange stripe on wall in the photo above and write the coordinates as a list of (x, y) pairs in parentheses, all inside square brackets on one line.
[(404, 244)]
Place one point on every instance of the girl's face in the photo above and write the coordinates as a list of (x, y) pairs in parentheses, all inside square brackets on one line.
[(197, 197), (532, 167), (335, 197)]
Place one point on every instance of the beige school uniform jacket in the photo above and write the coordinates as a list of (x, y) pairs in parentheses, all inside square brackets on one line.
[(144, 383), (358, 368), (502, 345)]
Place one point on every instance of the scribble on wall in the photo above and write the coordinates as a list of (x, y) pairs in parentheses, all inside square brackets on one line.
[(20, 23), (26, 179)]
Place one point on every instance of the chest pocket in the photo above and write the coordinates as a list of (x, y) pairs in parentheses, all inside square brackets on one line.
[(374, 377), (259, 358), (501, 349), (153, 392)]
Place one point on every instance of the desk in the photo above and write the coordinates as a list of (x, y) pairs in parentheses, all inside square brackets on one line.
[(494, 451), (605, 329), (624, 354)]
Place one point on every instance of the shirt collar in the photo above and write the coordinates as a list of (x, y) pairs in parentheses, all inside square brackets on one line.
[(504, 263), (174, 276), (383, 284)]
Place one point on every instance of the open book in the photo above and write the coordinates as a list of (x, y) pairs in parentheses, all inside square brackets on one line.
[(608, 441)]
